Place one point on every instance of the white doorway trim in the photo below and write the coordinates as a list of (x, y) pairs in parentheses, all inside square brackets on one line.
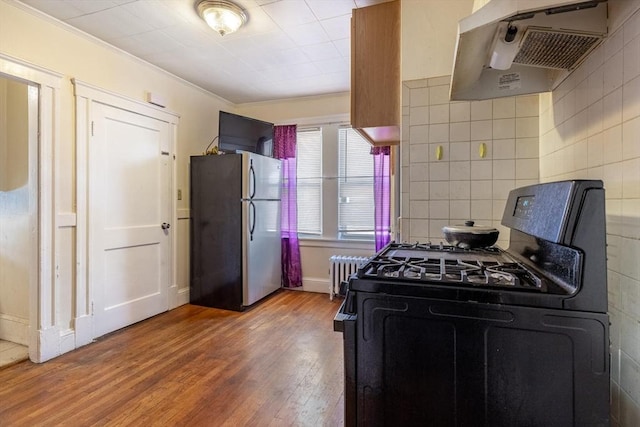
[(86, 95), (44, 336)]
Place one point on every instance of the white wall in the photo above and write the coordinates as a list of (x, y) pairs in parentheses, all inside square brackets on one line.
[(429, 31), (590, 128), (297, 110), (15, 244)]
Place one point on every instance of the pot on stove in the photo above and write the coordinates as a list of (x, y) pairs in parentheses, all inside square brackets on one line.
[(470, 235)]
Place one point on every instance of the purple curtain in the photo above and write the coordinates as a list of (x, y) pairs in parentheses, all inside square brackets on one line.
[(285, 149), (382, 195)]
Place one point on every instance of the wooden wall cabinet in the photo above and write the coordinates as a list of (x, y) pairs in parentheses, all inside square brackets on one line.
[(375, 72)]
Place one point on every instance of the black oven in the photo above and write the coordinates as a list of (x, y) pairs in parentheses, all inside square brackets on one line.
[(435, 335)]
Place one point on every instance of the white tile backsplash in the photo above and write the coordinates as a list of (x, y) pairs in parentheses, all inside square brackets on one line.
[(595, 150), (630, 139), (439, 95), (439, 209), (439, 190), (460, 151), (460, 111), (463, 185), (613, 73), (419, 97), (482, 110), (460, 131), (631, 179), (504, 108), (595, 115), (613, 45), (419, 172), (595, 84), (460, 190), (603, 141), (612, 103), (527, 169), (630, 60), (481, 169), (419, 134), (527, 127), (504, 128), (504, 169), (501, 188), (504, 148), (419, 227), (435, 229), (419, 153), (481, 210), (630, 220), (481, 130), (439, 171), (439, 113), (470, 190), (527, 106), (419, 115), (527, 148), (418, 191), (439, 132), (442, 81), (459, 210), (419, 209), (460, 170), (482, 189), (631, 99)]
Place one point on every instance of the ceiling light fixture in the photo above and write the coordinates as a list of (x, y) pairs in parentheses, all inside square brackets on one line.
[(221, 15)]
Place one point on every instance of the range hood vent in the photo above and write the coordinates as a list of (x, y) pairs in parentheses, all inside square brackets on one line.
[(516, 47), (555, 49)]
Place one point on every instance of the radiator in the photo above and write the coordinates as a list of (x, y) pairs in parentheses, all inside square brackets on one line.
[(341, 267)]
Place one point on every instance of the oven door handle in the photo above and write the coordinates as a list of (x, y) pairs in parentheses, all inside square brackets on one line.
[(341, 317)]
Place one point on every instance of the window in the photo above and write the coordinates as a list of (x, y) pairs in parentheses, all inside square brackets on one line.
[(335, 183), (309, 180), (355, 186)]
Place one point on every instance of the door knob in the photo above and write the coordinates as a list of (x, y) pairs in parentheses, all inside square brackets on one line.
[(165, 226)]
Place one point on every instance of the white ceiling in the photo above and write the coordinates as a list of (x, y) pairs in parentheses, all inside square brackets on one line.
[(288, 48)]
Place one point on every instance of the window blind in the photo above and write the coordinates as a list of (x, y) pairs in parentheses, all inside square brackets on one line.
[(355, 186), (309, 175)]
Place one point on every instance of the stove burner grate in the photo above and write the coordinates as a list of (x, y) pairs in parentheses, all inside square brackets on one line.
[(452, 271), (441, 247)]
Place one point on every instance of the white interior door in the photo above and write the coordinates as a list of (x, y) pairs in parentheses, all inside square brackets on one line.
[(129, 210)]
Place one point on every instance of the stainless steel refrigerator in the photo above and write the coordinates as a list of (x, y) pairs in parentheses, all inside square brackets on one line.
[(235, 229)]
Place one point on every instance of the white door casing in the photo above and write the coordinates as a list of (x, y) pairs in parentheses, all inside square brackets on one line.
[(129, 209), (45, 336)]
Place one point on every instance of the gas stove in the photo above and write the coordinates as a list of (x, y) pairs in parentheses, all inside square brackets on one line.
[(435, 334)]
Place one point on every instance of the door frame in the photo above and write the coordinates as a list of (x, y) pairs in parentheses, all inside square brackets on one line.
[(45, 335), (86, 95)]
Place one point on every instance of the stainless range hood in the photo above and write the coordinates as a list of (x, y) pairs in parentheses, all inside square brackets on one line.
[(516, 47)]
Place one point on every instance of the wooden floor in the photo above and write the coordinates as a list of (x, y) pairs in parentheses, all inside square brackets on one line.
[(279, 364)]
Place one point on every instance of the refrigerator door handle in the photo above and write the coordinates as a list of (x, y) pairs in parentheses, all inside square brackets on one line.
[(252, 219), (252, 189)]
